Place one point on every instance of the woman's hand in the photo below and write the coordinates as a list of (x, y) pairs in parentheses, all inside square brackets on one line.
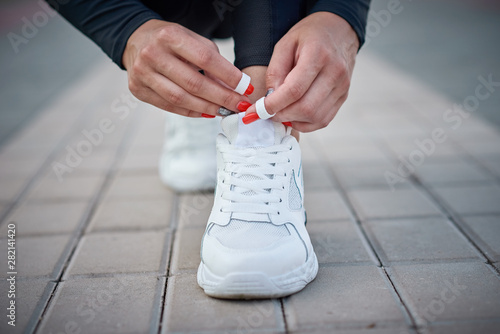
[(163, 60), (310, 71)]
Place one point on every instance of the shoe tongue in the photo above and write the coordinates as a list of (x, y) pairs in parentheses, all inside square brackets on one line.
[(261, 133)]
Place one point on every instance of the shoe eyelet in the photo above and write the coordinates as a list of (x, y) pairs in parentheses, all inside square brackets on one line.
[(279, 213), (281, 200)]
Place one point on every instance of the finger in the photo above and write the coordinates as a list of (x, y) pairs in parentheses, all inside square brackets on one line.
[(296, 84), (151, 97), (177, 96), (280, 65), (208, 59), (305, 109), (329, 110), (197, 84), (326, 87)]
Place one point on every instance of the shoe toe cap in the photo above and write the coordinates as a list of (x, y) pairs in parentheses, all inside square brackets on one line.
[(280, 257)]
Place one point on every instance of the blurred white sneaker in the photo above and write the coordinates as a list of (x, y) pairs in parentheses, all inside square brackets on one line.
[(188, 161), (256, 244)]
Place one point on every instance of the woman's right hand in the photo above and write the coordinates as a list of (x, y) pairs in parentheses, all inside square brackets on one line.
[(163, 60)]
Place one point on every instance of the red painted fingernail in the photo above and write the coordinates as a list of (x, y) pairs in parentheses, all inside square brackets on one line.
[(250, 118), (249, 90), (287, 123), (243, 105), (208, 116)]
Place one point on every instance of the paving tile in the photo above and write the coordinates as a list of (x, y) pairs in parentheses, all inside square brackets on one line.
[(118, 252), (445, 151), (317, 176), (454, 171), (194, 210), (185, 299), (325, 205), (418, 240), (147, 137), (46, 218), (465, 327), (120, 304), (35, 256), (405, 126), (149, 150), (354, 155), (143, 161), (71, 188), (369, 329), (449, 291), (337, 242), (19, 166), (384, 203), (96, 163), (492, 163), (471, 199), (310, 153), (482, 148), (372, 175), (127, 213), (186, 251), (485, 231), (138, 186), (343, 295), (28, 294), (11, 187), (24, 152)]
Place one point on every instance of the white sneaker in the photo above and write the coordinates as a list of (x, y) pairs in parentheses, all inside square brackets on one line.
[(188, 161), (256, 244)]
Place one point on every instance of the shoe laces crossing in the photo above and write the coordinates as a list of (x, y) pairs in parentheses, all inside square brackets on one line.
[(253, 178)]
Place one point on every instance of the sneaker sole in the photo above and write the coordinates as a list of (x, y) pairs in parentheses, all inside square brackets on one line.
[(257, 285)]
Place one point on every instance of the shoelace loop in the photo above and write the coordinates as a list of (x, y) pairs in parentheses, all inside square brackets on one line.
[(253, 178)]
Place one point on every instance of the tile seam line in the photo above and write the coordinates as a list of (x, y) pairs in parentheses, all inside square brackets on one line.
[(444, 209), (283, 315), (456, 221), (174, 216), (85, 117), (438, 202), (6, 140), (455, 144), (85, 220), (343, 194)]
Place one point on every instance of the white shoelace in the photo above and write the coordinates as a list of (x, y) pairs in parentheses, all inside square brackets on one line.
[(250, 176)]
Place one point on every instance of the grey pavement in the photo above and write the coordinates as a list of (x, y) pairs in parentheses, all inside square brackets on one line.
[(403, 212)]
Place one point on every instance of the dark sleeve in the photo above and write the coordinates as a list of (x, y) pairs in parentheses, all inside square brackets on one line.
[(355, 12), (109, 23)]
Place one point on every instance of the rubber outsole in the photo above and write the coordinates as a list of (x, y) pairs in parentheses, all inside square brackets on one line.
[(257, 285)]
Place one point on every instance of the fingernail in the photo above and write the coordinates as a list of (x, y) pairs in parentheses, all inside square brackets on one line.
[(243, 105), (250, 118), (287, 123), (208, 116), (249, 89)]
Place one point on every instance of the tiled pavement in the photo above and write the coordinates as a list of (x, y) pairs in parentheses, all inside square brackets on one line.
[(103, 247)]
